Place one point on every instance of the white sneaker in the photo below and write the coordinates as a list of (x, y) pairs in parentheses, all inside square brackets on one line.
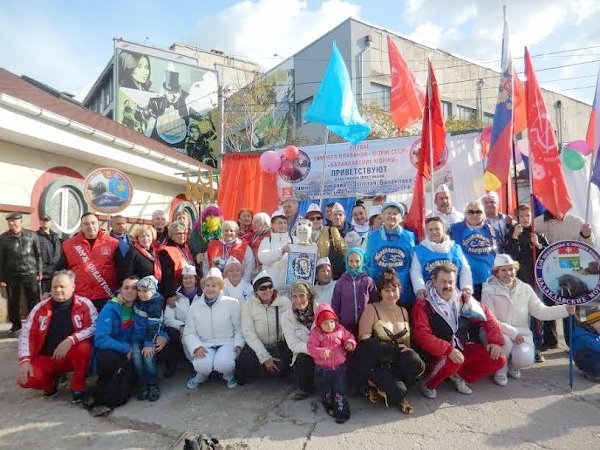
[(500, 379), (429, 393), (461, 385), (231, 382), (514, 373)]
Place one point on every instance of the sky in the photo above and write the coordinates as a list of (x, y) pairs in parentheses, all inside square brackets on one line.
[(66, 44)]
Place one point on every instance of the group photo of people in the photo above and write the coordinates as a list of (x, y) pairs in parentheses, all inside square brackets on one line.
[(117, 310)]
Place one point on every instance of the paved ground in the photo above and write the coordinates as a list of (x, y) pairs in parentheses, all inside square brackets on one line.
[(538, 411)]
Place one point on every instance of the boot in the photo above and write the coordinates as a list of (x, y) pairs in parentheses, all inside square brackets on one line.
[(342, 409)]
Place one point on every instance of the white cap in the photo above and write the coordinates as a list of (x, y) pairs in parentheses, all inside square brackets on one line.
[(232, 260), (323, 261), (492, 196), (214, 272), (338, 207), (188, 270), (313, 208), (503, 259), (375, 210), (442, 188), (278, 213)]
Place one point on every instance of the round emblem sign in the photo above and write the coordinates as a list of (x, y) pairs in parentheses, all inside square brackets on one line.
[(297, 170), (107, 191), (568, 272)]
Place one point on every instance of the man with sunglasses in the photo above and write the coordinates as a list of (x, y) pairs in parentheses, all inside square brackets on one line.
[(479, 242)]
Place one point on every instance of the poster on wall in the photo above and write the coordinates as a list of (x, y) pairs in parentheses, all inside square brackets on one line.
[(107, 191), (167, 97)]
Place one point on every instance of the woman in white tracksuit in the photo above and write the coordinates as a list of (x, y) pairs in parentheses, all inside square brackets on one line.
[(513, 302), (273, 250), (213, 333)]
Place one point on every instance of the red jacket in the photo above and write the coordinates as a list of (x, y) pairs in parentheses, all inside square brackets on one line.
[(425, 337), (33, 335), (86, 262)]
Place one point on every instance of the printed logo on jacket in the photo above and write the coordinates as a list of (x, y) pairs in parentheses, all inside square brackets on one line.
[(390, 258), (479, 244)]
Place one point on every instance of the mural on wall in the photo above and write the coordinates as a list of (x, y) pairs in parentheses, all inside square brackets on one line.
[(167, 100)]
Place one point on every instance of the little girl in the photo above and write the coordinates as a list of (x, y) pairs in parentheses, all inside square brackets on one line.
[(353, 291), (327, 344)]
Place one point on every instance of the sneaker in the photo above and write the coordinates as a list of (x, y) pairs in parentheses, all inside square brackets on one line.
[(298, 395), (14, 331), (461, 385), (153, 392), (539, 358), (231, 383), (49, 395), (194, 382), (77, 397), (429, 393), (143, 393), (514, 373), (500, 379)]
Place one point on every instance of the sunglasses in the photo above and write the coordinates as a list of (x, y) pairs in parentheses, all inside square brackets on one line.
[(265, 287), (472, 211), (313, 218)]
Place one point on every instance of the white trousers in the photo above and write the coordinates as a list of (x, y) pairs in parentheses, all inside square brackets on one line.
[(219, 359)]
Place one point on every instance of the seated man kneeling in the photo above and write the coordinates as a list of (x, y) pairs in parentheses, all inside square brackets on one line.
[(449, 339), (57, 339)]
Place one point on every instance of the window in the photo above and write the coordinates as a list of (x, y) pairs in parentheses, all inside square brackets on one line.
[(465, 113), (66, 208), (447, 110), (488, 118), (301, 109), (380, 95)]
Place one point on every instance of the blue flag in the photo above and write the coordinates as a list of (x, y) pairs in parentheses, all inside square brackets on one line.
[(334, 105)]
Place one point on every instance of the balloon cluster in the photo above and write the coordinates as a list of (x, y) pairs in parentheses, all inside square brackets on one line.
[(573, 154), (271, 161)]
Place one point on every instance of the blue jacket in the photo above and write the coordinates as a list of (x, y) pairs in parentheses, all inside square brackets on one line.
[(479, 246), (382, 254), (111, 333), (583, 337), (148, 320)]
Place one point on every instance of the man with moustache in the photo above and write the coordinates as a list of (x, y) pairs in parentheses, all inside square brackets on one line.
[(444, 208)]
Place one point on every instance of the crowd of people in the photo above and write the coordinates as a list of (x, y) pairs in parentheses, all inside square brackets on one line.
[(385, 312)]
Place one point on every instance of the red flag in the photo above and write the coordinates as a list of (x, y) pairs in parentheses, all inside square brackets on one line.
[(407, 95), (520, 110), (547, 177), (433, 142)]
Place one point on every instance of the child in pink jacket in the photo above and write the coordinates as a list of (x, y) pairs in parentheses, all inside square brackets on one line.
[(327, 345)]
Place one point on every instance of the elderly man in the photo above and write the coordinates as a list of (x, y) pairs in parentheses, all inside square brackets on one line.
[(91, 255), (495, 218), (338, 219), (160, 222), (50, 249), (290, 209), (118, 225), (57, 339), (450, 340), (20, 266), (444, 208)]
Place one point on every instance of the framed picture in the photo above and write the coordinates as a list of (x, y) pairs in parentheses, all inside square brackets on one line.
[(302, 264)]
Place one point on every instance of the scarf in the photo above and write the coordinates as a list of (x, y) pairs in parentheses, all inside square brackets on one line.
[(305, 317), (360, 252), (189, 294), (152, 257)]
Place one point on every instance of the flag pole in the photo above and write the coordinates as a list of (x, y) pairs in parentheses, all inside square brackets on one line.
[(515, 178), (589, 188), (429, 96), (323, 171)]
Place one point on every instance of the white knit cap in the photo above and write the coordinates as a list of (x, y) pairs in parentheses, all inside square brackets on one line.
[(375, 210), (503, 259), (214, 272), (188, 270), (323, 261)]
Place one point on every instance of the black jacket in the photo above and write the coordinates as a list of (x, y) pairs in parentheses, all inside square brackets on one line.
[(50, 248), (19, 254), (520, 250)]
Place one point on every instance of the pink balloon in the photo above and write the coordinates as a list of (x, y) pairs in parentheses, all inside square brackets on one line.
[(291, 152), (580, 146), (270, 161)]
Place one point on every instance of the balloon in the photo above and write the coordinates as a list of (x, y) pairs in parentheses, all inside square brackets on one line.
[(572, 159), (291, 152), (491, 182), (580, 146), (270, 161)]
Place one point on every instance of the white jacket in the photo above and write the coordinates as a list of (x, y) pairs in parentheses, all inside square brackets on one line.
[(324, 292), (513, 307), (175, 316), (259, 324), (211, 326), (296, 334), (271, 258), (242, 292)]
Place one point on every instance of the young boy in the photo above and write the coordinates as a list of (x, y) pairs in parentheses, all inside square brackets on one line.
[(327, 345), (149, 337), (586, 345)]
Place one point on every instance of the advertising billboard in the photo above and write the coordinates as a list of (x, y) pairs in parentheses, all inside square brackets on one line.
[(167, 97)]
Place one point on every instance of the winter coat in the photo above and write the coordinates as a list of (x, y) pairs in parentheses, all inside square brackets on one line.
[(585, 337), (325, 292), (19, 254), (350, 296), (296, 334), (111, 332), (175, 316), (50, 250), (520, 250), (327, 349), (259, 324), (272, 259), (148, 320), (215, 257), (213, 326), (513, 307), (242, 292)]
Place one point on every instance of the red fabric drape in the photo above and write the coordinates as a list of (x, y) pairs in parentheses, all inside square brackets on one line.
[(243, 184)]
